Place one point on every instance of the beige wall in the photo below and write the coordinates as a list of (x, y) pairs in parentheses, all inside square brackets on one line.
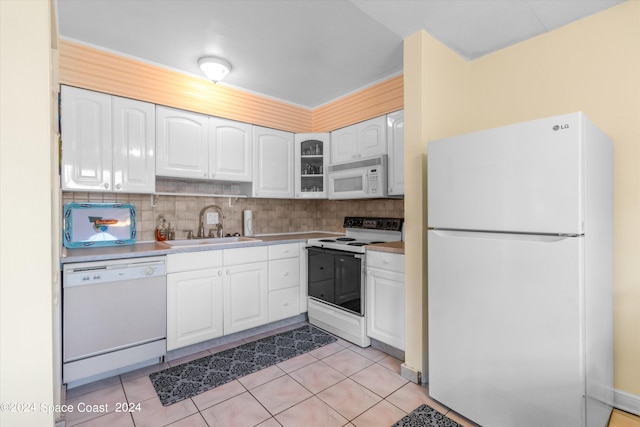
[(592, 65), (26, 267), (435, 105)]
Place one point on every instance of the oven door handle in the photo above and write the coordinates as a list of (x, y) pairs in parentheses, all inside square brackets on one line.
[(334, 251)]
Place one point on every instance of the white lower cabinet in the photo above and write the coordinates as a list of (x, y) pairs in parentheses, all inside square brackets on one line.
[(219, 292), (246, 277), (194, 298), (245, 297), (385, 298), (284, 281), (284, 303)]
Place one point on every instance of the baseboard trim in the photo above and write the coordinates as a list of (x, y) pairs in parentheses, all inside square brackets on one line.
[(411, 374), (626, 402)]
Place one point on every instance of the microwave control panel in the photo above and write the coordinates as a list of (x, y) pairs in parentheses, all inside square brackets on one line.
[(373, 179)]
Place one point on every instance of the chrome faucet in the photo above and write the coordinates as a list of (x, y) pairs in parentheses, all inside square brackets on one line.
[(201, 225)]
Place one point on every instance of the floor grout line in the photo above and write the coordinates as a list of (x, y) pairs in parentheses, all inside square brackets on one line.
[(372, 360)]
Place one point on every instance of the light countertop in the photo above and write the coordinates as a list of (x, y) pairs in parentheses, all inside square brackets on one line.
[(394, 247), (144, 249)]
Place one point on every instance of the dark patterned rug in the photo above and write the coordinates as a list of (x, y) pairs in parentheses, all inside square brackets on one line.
[(425, 416), (191, 378)]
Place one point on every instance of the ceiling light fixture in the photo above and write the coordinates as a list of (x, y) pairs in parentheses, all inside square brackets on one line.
[(214, 68)]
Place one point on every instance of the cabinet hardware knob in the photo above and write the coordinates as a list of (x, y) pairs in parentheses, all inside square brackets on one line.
[(118, 186), (106, 185)]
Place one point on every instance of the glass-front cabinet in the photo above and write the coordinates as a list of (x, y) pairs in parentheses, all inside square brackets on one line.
[(311, 158)]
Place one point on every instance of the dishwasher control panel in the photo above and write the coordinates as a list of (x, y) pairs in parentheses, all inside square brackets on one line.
[(112, 271)]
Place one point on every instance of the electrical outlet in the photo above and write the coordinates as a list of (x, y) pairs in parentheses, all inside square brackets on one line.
[(212, 218)]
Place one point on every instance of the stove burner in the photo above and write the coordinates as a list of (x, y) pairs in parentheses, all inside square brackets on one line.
[(345, 239), (357, 243), (374, 242), (327, 240)]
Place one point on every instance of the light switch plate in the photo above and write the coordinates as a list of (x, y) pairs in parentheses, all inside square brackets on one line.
[(212, 218)]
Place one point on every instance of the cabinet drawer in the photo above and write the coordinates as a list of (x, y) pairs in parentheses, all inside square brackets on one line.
[(284, 273), (245, 255), (385, 261), (284, 303), (287, 250), (193, 261)]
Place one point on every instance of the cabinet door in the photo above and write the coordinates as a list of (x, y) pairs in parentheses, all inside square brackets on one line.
[(182, 144), (86, 140), (385, 306), (273, 163), (245, 297), (194, 307), (372, 137), (364, 139), (310, 170), (134, 146), (344, 145), (395, 150), (230, 157)]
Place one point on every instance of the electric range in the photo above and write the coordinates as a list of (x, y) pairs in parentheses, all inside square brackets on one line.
[(336, 275)]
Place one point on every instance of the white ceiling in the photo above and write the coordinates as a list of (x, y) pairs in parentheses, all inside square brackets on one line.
[(307, 52)]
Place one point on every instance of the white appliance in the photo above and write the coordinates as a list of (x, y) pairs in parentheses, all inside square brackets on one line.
[(520, 274), (359, 179), (336, 276), (113, 317)]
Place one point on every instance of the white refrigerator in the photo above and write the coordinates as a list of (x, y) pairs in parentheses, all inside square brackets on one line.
[(520, 274)]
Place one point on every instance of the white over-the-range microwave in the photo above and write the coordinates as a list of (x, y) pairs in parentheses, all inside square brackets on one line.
[(358, 179)]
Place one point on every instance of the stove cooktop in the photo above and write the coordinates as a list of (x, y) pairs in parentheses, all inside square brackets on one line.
[(362, 231)]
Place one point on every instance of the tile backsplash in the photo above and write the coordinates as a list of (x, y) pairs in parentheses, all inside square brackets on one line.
[(269, 215)]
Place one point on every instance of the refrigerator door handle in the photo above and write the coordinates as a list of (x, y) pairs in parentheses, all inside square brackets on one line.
[(542, 238)]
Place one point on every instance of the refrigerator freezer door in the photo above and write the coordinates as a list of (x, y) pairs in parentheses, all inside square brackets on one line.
[(506, 328), (519, 178)]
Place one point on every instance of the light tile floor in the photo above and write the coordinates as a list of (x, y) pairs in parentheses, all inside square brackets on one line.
[(336, 385)]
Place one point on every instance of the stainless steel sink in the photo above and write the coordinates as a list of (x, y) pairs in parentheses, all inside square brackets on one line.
[(211, 241)]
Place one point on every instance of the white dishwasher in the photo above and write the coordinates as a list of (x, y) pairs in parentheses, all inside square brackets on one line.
[(113, 315)]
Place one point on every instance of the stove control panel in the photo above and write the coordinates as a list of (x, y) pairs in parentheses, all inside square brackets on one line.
[(392, 224)]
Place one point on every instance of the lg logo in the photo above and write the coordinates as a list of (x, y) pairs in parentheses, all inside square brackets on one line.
[(561, 127)]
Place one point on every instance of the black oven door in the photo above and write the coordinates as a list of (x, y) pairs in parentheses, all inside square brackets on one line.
[(335, 277)]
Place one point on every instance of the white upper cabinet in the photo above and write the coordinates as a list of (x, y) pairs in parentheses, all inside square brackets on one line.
[(86, 140), (230, 154), (108, 142), (364, 139), (134, 139), (196, 146), (182, 144), (395, 148), (310, 170), (273, 163)]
